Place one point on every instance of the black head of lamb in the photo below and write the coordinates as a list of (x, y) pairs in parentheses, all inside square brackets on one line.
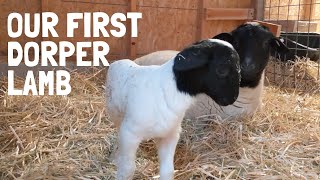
[(210, 67), (253, 43)]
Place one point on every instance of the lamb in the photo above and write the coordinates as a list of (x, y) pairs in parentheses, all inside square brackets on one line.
[(147, 102), (253, 43)]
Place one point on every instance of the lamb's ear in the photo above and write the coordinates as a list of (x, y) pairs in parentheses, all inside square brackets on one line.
[(278, 46), (190, 58), (225, 37)]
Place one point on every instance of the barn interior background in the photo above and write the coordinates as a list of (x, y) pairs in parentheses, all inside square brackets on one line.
[(300, 30), (173, 24), (54, 137), (165, 25)]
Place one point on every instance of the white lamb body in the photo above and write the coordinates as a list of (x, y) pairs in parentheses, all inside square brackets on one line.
[(156, 58), (133, 84), (136, 94), (248, 101), (147, 102)]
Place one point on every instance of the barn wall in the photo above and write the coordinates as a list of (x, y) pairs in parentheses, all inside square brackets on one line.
[(7, 7), (294, 10), (217, 26), (166, 24), (61, 8), (278, 10), (317, 14)]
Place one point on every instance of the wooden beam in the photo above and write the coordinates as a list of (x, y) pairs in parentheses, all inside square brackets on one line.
[(229, 13), (200, 19), (132, 40), (286, 25), (258, 6), (274, 28), (309, 10)]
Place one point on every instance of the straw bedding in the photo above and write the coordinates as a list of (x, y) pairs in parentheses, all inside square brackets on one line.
[(54, 137)]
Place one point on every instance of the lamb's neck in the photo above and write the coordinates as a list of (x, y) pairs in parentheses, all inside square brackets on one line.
[(251, 94), (175, 99)]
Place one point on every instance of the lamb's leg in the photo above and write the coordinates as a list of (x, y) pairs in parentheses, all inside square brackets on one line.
[(128, 145), (116, 119), (166, 150)]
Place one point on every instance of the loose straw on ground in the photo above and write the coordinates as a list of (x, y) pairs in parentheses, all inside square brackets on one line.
[(71, 137)]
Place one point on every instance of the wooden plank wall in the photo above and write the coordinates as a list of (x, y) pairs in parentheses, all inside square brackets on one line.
[(166, 24), (289, 12), (7, 7), (290, 9)]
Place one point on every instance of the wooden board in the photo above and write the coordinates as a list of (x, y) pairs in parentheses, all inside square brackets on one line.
[(7, 7), (132, 40), (274, 28), (258, 6), (214, 27), (165, 24), (118, 46), (229, 13), (297, 26), (163, 29), (287, 26), (200, 19), (306, 26), (169, 4), (309, 10)]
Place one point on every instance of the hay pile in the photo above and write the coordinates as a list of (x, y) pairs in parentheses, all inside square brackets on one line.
[(302, 75), (71, 138)]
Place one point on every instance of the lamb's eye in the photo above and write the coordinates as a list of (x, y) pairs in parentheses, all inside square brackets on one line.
[(223, 71)]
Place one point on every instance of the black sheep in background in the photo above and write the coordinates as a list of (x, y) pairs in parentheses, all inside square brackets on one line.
[(300, 46)]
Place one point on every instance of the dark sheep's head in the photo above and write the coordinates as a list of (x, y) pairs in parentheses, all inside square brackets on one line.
[(253, 43), (210, 67)]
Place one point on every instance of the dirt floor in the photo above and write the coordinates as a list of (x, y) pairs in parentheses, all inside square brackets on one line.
[(56, 137)]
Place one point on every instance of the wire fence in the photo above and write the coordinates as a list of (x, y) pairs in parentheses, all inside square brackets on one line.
[(300, 20)]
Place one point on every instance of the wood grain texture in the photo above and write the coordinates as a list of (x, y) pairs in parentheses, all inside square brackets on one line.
[(212, 28), (274, 28), (7, 7), (229, 13), (200, 19), (287, 26), (163, 29), (259, 8), (132, 40), (165, 24), (170, 4), (118, 46)]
